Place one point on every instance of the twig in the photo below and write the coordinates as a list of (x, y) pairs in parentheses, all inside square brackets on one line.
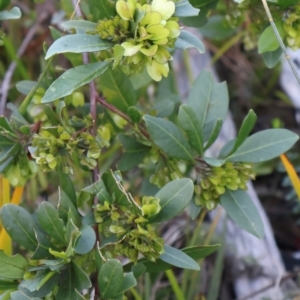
[(269, 15), (121, 114), (93, 112), (11, 69)]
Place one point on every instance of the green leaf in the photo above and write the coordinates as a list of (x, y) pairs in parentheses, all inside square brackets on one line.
[(51, 223), (118, 89), (241, 209), (139, 80), (201, 19), (66, 208), (134, 152), (215, 29), (14, 13), (52, 117), (193, 210), (272, 58), (19, 225), (7, 285), (196, 253), (82, 280), (129, 282), (184, 9), (44, 281), (16, 119), (34, 284), (22, 295), (164, 107), (178, 259), (264, 145), (246, 128), (81, 26), (110, 278), (214, 133), (227, 148), (102, 9), (25, 86), (112, 181), (174, 197), (44, 244), (267, 41), (209, 100), (72, 279), (78, 43), (67, 186), (4, 3), (12, 267), (85, 243), (138, 270), (214, 162), (73, 79), (4, 124), (189, 122), (187, 40), (287, 3), (169, 138)]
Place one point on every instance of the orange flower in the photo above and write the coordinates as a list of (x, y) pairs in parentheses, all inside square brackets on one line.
[(292, 174), (5, 240)]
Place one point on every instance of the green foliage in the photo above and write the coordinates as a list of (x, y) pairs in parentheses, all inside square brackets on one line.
[(74, 244)]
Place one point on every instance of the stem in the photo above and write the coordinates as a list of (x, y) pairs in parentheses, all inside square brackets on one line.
[(147, 286), (187, 273), (121, 114), (269, 15), (225, 47), (135, 294), (174, 284)]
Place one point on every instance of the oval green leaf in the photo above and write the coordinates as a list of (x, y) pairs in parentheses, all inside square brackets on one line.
[(187, 40), (168, 137), (179, 259), (19, 225), (267, 41), (245, 129), (14, 13), (51, 223), (118, 89), (241, 209), (85, 243), (189, 122), (209, 100), (73, 79), (110, 278), (78, 43), (12, 267), (183, 8), (196, 253), (81, 26), (264, 145), (272, 58), (174, 197)]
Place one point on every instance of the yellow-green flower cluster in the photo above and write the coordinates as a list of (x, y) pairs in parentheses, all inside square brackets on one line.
[(20, 170), (291, 26), (213, 184), (53, 147), (115, 29), (131, 227), (142, 241), (145, 34)]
